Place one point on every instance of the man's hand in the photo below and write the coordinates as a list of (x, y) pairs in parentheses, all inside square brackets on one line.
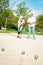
[(32, 23)]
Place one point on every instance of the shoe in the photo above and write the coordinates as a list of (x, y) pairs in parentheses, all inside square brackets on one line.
[(20, 37), (17, 36)]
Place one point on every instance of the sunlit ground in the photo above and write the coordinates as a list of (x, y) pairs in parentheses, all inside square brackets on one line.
[(12, 49)]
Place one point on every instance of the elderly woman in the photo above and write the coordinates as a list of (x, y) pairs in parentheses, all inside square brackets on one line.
[(21, 23)]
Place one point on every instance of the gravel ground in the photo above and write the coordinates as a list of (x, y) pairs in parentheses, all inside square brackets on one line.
[(15, 51)]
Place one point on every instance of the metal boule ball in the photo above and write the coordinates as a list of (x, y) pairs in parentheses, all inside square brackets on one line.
[(23, 52), (36, 57), (2, 49)]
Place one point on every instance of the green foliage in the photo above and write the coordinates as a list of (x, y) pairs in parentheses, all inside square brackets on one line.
[(22, 10), (4, 3), (11, 19), (39, 20)]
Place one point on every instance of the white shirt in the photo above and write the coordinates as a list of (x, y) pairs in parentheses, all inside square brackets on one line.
[(31, 19), (19, 23)]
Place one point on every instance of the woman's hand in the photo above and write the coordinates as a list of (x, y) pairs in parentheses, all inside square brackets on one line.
[(22, 24)]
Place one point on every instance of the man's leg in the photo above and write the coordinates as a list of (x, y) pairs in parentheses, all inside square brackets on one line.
[(33, 31), (29, 30)]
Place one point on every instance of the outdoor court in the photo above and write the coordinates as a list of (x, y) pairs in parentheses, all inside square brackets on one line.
[(15, 51)]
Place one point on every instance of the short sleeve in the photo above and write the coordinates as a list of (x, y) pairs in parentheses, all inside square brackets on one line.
[(34, 19)]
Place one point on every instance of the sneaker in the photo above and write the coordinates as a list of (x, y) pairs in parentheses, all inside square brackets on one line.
[(17, 36), (20, 37)]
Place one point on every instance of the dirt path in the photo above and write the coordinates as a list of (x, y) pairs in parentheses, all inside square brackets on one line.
[(14, 51)]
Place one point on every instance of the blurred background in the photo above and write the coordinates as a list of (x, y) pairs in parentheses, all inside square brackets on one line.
[(11, 10)]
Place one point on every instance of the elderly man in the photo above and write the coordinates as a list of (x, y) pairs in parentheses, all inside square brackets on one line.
[(21, 23), (31, 25)]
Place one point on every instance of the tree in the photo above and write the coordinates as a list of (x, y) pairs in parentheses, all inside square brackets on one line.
[(4, 3), (7, 19), (22, 9), (39, 20)]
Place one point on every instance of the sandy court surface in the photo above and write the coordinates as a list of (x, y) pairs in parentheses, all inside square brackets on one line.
[(13, 47)]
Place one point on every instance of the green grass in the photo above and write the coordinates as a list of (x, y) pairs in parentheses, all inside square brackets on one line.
[(10, 31), (14, 31), (35, 33), (39, 34)]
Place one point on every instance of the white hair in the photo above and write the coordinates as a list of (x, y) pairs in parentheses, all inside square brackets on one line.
[(21, 17)]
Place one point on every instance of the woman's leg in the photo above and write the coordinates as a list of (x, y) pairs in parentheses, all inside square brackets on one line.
[(20, 32)]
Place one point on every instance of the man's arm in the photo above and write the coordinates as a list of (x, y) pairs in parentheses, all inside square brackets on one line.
[(32, 23)]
